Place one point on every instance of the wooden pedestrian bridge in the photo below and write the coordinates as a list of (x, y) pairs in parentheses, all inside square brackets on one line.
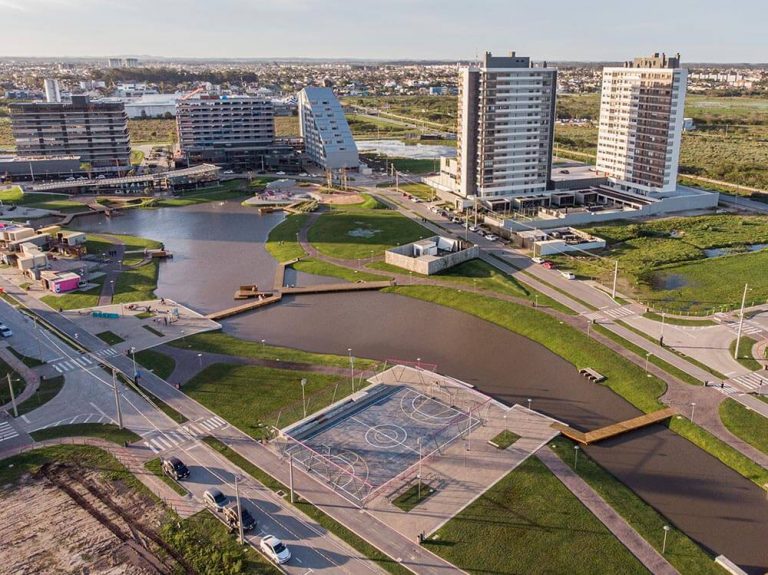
[(615, 428), (259, 299)]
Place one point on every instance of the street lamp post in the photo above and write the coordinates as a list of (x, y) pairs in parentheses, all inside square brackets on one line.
[(13, 397), (200, 359), (615, 277), (133, 355), (529, 403), (263, 341), (117, 399), (239, 512), (575, 456), (351, 368), (303, 397), (741, 322), (647, 357), (664, 544), (693, 410)]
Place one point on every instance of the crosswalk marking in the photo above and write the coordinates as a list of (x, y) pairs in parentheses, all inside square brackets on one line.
[(6, 431), (618, 312), (57, 368), (209, 426), (752, 381)]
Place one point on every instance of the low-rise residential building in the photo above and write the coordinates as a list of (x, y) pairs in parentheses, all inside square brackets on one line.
[(431, 255)]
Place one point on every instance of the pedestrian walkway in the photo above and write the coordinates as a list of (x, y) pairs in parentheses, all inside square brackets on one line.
[(7, 431), (616, 524), (617, 312), (160, 441), (82, 361), (751, 382)]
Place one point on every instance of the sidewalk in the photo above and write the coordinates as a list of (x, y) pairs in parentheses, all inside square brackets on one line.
[(32, 379), (624, 532)]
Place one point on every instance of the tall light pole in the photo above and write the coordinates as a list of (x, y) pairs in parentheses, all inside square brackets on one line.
[(664, 545), (418, 477), (200, 359), (741, 322), (13, 397), (351, 368), (529, 403), (693, 410), (117, 399), (575, 456), (290, 475), (303, 396), (239, 512), (133, 355), (263, 342), (615, 278), (647, 357)]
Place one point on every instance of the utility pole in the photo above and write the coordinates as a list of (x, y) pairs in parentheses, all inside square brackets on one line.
[(13, 397), (117, 399), (290, 475), (351, 368), (239, 512), (741, 323), (303, 397), (397, 181), (615, 277)]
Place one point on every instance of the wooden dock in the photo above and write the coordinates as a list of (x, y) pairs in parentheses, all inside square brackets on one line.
[(615, 428), (242, 308)]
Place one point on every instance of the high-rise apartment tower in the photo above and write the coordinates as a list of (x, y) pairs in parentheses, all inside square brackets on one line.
[(641, 123), (506, 127)]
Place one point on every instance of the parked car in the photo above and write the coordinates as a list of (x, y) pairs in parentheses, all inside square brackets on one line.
[(215, 499), (279, 173), (5, 331), (568, 275), (227, 172), (548, 264), (230, 514), (474, 229), (491, 237), (275, 549), (537, 260), (173, 467)]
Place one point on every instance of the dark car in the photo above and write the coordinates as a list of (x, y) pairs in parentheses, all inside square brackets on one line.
[(230, 514), (175, 468)]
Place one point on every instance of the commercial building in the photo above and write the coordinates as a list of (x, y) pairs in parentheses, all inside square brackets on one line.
[(52, 91), (33, 168), (328, 141), (641, 123), (506, 127), (237, 132), (97, 132), (431, 255)]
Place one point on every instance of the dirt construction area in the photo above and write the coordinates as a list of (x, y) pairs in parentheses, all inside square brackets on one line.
[(65, 519)]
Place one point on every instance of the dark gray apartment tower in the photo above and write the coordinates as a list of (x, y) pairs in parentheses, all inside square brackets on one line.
[(506, 127), (97, 132)]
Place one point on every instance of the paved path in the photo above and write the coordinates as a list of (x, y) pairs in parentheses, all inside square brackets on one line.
[(30, 377), (112, 271), (133, 459), (616, 524)]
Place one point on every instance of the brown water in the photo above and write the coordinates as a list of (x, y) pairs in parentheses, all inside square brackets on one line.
[(217, 247)]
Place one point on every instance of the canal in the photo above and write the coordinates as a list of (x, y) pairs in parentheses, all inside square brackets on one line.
[(219, 246)]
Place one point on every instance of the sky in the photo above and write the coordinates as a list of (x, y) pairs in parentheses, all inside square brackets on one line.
[(589, 30)]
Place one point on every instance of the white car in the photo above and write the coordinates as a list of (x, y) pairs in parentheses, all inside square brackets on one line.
[(491, 237), (5, 331), (215, 499), (474, 229), (279, 173), (275, 549), (568, 275), (227, 172), (537, 260)]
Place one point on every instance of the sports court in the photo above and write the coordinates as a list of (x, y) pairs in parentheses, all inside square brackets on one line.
[(365, 443)]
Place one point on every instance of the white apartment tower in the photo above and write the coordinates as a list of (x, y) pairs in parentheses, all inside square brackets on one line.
[(328, 141), (52, 91), (506, 127), (641, 123)]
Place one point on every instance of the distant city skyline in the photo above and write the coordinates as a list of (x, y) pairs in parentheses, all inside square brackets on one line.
[(705, 31)]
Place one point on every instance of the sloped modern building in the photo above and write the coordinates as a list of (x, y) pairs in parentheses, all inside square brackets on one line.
[(328, 141), (641, 124), (96, 132)]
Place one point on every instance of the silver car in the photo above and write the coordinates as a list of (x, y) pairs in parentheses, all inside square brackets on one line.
[(215, 499)]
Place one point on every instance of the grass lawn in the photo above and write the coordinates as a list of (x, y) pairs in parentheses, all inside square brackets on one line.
[(282, 242), (160, 364), (413, 496), (321, 268), (530, 523), (41, 200), (76, 299), (155, 466), (421, 191), (683, 553), (101, 243), (107, 431), (29, 462), (744, 356), (229, 190), (351, 232), (110, 338), (153, 331), (219, 342), (324, 520), (752, 427), (505, 439), (137, 157), (623, 377), (678, 321), (18, 383), (137, 284), (25, 359), (46, 391), (252, 397), (206, 543)]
